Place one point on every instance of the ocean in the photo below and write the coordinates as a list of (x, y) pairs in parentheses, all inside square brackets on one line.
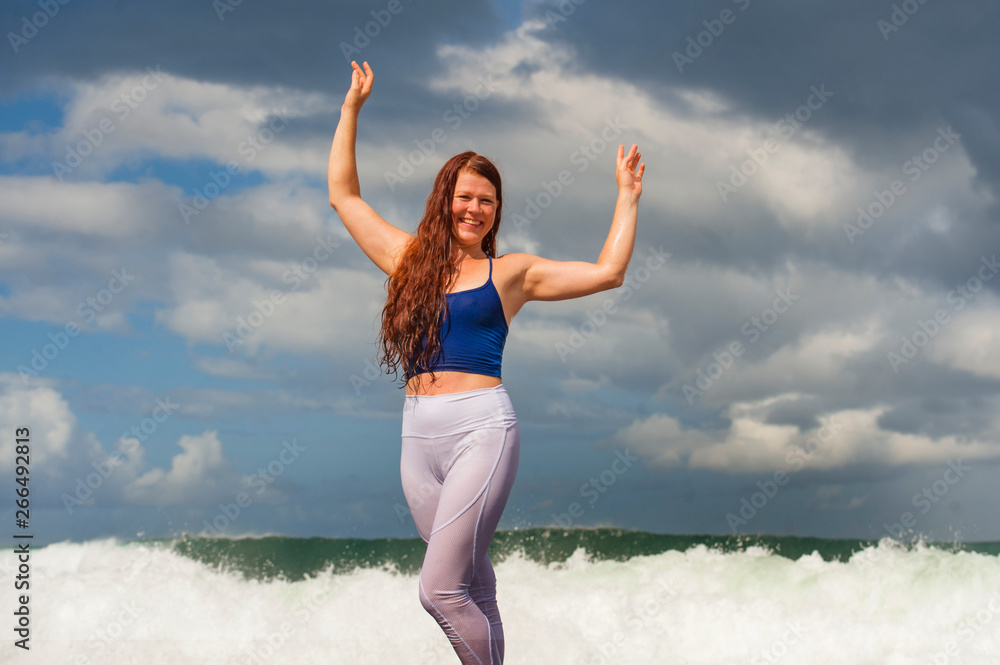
[(579, 596)]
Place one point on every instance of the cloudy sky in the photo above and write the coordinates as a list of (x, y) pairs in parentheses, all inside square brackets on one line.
[(808, 342)]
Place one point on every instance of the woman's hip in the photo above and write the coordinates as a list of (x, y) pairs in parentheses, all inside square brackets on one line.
[(432, 416)]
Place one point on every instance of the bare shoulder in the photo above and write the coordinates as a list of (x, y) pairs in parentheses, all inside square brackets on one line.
[(508, 277), (510, 268), (516, 261)]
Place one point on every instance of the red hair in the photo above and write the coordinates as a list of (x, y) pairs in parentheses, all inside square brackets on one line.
[(416, 289)]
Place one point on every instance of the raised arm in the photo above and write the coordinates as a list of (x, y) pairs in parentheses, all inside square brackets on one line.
[(545, 279), (379, 240)]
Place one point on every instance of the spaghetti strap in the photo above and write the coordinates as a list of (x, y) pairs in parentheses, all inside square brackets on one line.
[(489, 278)]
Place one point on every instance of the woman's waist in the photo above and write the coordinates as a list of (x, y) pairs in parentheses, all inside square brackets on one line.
[(449, 381), (459, 411)]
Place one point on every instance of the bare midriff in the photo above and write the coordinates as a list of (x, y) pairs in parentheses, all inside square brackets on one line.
[(449, 382)]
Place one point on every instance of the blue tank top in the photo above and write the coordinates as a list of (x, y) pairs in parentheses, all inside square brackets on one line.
[(473, 332)]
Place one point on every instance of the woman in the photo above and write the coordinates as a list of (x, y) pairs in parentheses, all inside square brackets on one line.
[(450, 302)]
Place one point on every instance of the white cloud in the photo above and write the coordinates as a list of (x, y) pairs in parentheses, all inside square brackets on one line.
[(970, 341), (814, 360), (120, 117), (110, 211), (74, 466), (230, 368), (267, 221), (52, 435), (809, 183), (752, 445), (316, 312), (200, 473), (803, 181)]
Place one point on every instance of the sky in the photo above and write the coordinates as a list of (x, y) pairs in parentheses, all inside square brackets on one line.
[(807, 342)]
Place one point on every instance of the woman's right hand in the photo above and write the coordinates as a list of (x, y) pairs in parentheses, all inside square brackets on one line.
[(361, 86)]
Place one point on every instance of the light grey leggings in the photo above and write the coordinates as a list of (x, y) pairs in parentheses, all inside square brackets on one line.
[(459, 459)]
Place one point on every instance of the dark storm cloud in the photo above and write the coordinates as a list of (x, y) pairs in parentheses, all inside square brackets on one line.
[(894, 76), (938, 415), (771, 53), (295, 44)]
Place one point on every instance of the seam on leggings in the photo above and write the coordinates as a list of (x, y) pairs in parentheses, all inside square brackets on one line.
[(444, 619), (489, 479), (479, 518), (438, 475), (482, 508)]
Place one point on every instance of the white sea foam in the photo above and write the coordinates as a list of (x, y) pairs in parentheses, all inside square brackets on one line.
[(107, 602)]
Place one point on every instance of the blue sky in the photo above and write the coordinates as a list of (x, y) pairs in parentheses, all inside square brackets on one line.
[(816, 355)]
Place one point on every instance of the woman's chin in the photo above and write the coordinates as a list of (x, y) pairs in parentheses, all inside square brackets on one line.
[(468, 237)]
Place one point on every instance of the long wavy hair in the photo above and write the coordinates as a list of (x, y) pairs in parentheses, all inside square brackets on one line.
[(416, 304)]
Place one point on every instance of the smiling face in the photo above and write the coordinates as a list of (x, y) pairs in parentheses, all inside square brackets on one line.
[(473, 209)]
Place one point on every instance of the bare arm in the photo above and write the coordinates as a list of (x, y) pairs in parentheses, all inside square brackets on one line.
[(379, 240), (545, 279)]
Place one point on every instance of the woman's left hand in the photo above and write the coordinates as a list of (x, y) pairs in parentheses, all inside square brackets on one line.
[(629, 179)]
